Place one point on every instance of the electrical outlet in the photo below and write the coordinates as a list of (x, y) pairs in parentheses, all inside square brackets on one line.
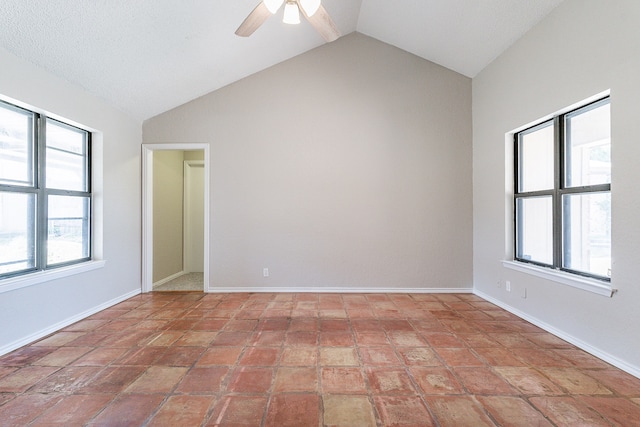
[(265, 272), (524, 293), (507, 286)]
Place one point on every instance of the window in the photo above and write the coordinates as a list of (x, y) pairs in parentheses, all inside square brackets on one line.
[(45, 192), (563, 192)]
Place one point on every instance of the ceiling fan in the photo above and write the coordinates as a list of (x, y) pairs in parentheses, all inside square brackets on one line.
[(311, 9)]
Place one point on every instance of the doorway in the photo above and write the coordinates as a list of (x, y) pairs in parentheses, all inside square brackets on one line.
[(177, 245)]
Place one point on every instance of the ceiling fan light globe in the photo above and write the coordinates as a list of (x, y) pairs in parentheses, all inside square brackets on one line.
[(310, 6), (291, 13), (273, 5)]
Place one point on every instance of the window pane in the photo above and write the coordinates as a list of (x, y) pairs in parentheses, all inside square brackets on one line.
[(587, 233), (68, 229), (588, 145), (16, 146), (66, 154), (17, 232), (536, 159), (534, 223)]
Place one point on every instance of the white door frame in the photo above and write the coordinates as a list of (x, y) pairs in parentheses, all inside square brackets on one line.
[(147, 209), (187, 223)]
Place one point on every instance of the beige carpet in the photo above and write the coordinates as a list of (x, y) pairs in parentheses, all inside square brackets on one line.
[(186, 282)]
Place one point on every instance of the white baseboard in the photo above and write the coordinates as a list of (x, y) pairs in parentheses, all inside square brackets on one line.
[(341, 290), (63, 324), (621, 364), (167, 279)]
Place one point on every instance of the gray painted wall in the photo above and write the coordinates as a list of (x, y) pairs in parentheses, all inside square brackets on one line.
[(348, 166), (583, 48)]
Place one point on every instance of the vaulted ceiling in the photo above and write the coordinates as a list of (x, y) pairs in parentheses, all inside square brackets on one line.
[(148, 56)]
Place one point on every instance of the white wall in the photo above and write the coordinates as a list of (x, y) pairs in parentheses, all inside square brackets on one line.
[(28, 312), (194, 216), (194, 212), (348, 166), (583, 48)]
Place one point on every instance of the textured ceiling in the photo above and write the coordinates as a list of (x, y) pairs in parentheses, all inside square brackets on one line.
[(148, 56)]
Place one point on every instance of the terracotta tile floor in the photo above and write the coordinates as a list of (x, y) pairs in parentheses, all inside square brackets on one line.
[(194, 359)]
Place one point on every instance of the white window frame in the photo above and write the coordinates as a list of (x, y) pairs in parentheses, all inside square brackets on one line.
[(44, 273), (597, 285)]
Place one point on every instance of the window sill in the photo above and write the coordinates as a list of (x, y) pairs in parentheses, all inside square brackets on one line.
[(18, 282), (592, 285)]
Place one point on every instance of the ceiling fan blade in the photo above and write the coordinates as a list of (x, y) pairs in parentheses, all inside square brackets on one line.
[(254, 20), (323, 24)]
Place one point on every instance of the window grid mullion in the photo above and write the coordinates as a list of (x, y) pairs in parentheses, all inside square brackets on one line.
[(600, 188), (558, 223), (56, 192), (41, 214), (18, 189), (517, 226), (538, 193), (87, 164)]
